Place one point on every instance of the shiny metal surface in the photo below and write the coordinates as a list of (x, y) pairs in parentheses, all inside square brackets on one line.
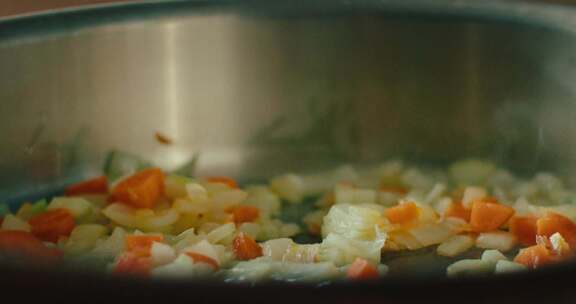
[(257, 89)]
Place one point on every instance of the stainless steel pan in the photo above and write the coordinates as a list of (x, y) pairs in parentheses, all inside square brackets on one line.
[(253, 88)]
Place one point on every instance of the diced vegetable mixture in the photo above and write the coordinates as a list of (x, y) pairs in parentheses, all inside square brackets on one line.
[(346, 223)]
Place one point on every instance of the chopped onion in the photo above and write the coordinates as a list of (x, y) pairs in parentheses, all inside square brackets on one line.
[(161, 254), (493, 256), (471, 194), (431, 233), (289, 186), (455, 245), (469, 267), (12, 222), (500, 240), (223, 233), (508, 267), (349, 195), (276, 248)]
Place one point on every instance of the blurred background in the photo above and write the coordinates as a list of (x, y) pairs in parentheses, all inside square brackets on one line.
[(12, 7)]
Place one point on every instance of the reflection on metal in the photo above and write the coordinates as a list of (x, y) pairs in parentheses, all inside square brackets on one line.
[(250, 93), (323, 123), (172, 89)]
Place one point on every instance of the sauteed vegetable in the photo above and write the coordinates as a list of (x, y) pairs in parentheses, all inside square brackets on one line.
[(346, 223)]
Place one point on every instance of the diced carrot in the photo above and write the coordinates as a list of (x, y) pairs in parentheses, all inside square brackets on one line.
[(489, 216), (141, 190), (140, 245), (163, 139), (245, 247), (200, 258), (534, 256), (457, 209), (524, 228), (92, 186), (228, 181), (52, 224), (402, 214), (552, 223), (24, 244), (245, 214), (398, 189), (130, 263), (360, 269)]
